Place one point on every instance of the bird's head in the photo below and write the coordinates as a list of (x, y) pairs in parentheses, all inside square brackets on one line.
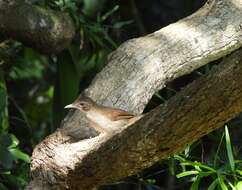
[(82, 103)]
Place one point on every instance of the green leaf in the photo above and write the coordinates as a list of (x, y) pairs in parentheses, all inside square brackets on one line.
[(150, 181), (6, 159), (197, 164), (205, 174), (98, 40), (187, 151), (15, 141), (172, 166), (2, 98), (3, 104), (18, 154), (196, 183), (229, 149), (110, 40), (213, 185), (121, 24), (232, 186), (239, 172), (217, 152), (187, 173), (109, 13), (6, 172), (239, 185), (222, 183), (14, 180), (179, 158)]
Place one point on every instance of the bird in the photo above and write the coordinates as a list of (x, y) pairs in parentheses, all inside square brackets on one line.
[(103, 119)]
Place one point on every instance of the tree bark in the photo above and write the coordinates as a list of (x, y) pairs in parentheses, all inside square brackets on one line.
[(140, 67), (45, 30), (135, 71), (198, 109)]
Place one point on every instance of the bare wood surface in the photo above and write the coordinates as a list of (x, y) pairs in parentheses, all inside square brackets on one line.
[(135, 71)]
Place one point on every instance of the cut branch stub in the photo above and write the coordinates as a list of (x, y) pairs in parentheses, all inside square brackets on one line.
[(45, 30)]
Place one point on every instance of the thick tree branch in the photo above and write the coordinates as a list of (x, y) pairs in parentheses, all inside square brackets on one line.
[(142, 66), (45, 30), (198, 109), (135, 71)]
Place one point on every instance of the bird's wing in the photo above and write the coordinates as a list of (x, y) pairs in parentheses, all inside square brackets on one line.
[(118, 114)]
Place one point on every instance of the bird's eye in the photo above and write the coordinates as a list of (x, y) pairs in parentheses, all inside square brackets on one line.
[(84, 106)]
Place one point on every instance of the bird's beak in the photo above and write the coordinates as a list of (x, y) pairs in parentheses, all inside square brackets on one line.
[(70, 106)]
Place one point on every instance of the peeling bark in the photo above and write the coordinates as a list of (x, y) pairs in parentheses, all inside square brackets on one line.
[(45, 30)]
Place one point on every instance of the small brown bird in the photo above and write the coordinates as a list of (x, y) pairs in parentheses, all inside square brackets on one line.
[(101, 118)]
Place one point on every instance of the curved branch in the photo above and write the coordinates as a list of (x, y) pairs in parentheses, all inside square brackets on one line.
[(201, 107), (47, 31), (135, 71), (142, 66)]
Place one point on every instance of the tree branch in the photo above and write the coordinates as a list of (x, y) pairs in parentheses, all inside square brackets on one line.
[(135, 71), (47, 31), (201, 107), (140, 67)]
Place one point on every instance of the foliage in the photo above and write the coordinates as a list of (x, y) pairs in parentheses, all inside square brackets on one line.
[(3, 104), (222, 176), (14, 163)]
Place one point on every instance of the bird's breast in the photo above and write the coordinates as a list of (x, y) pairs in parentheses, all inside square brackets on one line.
[(104, 121)]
